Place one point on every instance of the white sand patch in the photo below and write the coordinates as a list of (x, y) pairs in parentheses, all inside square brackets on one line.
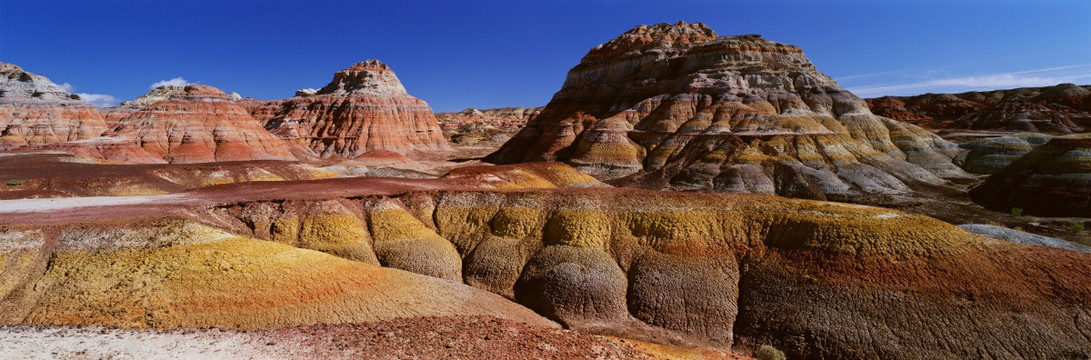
[(52, 204), (26, 342)]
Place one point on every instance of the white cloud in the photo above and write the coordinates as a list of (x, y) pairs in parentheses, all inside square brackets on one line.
[(178, 81), (1028, 78), (99, 100), (68, 87)]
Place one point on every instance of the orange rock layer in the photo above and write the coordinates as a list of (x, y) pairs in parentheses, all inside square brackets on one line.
[(200, 124), (36, 112)]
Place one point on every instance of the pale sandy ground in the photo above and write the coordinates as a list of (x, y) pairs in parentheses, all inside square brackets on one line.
[(28, 342), (53, 204)]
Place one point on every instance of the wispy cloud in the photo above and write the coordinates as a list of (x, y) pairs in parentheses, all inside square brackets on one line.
[(68, 87), (1027, 78), (178, 81), (99, 100)]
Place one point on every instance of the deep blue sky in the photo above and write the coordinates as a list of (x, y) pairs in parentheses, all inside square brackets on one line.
[(458, 54)]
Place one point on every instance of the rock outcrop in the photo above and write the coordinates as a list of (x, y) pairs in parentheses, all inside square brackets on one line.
[(987, 156), (177, 273), (199, 124), (501, 118), (1052, 180), (364, 108), (35, 112), (818, 280), (482, 127), (1059, 109), (677, 106)]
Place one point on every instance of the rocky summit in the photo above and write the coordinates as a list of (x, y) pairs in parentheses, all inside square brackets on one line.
[(35, 112), (364, 108), (677, 106)]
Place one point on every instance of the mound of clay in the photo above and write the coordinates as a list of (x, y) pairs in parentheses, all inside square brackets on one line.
[(172, 274), (200, 124), (676, 106), (502, 118), (364, 108), (35, 112), (1059, 109), (474, 127), (1052, 180), (57, 174), (816, 279), (987, 156)]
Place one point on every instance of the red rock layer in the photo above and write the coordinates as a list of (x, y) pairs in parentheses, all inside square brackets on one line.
[(364, 108), (198, 125), (1063, 108), (678, 106), (35, 112)]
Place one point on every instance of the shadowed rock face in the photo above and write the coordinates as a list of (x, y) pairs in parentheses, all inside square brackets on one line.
[(1052, 180), (198, 124), (36, 112), (676, 106), (364, 108), (1059, 109), (987, 156)]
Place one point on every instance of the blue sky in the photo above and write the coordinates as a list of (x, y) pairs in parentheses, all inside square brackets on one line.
[(459, 54)]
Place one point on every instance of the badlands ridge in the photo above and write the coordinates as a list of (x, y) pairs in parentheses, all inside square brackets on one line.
[(351, 221)]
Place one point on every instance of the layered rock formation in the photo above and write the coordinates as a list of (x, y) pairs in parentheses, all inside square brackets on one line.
[(1063, 108), (113, 115), (1052, 180), (176, 273), (509, 117), (364, 108), (816, 279), (35, 112), (819, 280), (987, 156), (198, 124), (58, 174), (678, 106), (158, 94), (489, 126)]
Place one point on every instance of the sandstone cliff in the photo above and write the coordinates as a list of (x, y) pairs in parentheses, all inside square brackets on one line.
[(364, 108), (678, 106), (1059, 109), (35, 112)]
